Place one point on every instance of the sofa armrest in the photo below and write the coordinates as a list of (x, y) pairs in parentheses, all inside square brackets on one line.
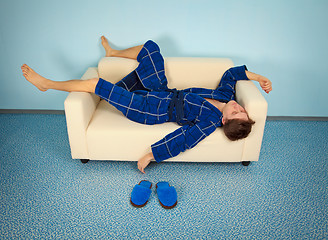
[(79, 109), (249, 96)]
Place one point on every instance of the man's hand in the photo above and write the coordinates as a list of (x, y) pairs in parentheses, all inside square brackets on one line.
[(144, 161), (265, 84)]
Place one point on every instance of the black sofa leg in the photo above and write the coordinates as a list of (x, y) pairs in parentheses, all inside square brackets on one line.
[(245, 163), (84, 160)]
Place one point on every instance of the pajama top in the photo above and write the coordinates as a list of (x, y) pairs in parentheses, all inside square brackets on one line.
[(143, 96)]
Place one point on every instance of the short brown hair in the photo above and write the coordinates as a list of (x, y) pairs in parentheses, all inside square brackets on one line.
[(236, 129)]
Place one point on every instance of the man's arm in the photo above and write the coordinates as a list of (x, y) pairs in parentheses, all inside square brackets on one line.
[(183, 138), (265, 83)]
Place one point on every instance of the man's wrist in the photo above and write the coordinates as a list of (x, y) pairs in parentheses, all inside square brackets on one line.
[(150, 156)]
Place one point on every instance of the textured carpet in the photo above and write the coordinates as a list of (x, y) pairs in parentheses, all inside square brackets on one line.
[(47, 195)]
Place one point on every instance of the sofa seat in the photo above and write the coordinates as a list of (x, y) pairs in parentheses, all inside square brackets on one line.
[(107, 132)]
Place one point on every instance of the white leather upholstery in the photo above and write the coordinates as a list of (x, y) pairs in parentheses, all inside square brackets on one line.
[(98, 131)]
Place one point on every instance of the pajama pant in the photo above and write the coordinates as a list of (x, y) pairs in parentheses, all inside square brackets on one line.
[(142, 96)]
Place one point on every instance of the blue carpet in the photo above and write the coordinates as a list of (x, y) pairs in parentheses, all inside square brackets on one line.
[(47, 195)]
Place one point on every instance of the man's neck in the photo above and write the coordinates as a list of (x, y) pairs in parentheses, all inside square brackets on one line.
[(219, 105)]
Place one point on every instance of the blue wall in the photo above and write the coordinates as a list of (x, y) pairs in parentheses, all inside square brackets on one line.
[(283, 40)]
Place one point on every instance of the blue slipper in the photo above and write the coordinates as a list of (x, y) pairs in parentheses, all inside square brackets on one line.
[(140, 194), (167, 195)]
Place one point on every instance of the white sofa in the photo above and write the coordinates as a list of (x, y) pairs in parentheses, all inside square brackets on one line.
[(98, 131)]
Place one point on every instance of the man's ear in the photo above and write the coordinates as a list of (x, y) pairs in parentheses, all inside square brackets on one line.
[(223, 120)]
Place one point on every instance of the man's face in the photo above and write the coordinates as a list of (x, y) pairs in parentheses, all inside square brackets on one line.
[(233, 110)]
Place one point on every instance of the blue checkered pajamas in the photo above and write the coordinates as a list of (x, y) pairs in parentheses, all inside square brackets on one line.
[(143, 97)]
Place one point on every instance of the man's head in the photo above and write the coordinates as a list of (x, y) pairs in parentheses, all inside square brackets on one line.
[(236, 123)]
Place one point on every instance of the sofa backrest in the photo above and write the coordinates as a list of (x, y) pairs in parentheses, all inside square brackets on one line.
[(180, 72)]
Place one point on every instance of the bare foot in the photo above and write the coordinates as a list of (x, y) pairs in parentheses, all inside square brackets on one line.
[(40, 82), (106, 46)]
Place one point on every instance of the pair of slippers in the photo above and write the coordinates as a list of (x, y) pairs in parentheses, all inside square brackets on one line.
[(167, 195)]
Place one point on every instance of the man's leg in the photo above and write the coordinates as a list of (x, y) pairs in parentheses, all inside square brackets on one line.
[(131, 53), (150, 60), (43, 84), (151, 70)]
